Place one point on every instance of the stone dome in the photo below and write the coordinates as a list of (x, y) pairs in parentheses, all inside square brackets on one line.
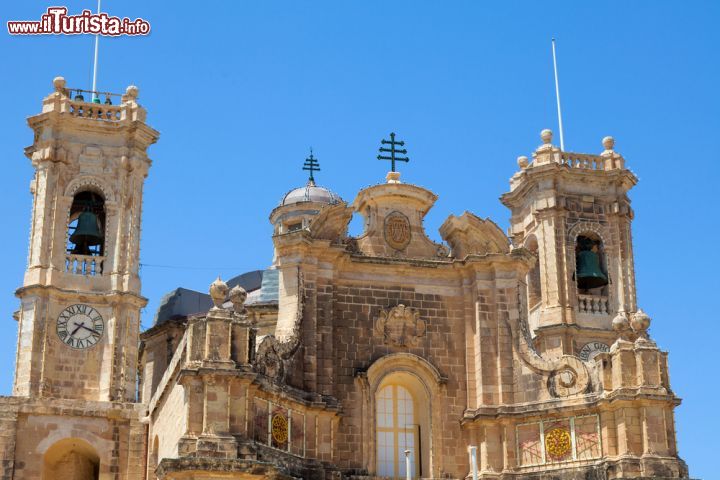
[(310, 193)]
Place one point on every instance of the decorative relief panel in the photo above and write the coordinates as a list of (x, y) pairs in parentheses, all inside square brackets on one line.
[(401, 326), (279, 427), (558, 440), (397, 230)]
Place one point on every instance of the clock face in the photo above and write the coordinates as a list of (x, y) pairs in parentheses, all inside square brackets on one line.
[(591, 349), (80, 326)]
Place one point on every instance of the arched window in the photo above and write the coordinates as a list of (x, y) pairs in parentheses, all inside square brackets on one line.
[(402, 422), (71, 459), (86, 227), (397, 431)]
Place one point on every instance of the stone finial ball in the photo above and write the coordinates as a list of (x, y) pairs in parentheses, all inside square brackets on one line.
[(608, 142), (59, 83), (522, 161), (546, 135), (238, 295), (218, 292), (620, 322), (640, 321), (132, 91)]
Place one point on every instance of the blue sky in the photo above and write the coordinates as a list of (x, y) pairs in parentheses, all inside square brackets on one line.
[(240, 91)]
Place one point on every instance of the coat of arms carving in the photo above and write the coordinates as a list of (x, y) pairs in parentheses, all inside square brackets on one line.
[(401, 326), (397, 230)]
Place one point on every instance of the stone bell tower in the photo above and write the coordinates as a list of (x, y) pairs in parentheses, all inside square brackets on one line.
[(572, 211), (80, 299)]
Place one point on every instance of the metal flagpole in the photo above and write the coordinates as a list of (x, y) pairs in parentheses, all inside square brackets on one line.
[(95, 97), (557, 95), (408, 472)]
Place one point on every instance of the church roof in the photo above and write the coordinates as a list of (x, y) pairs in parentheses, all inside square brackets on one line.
[(261, 285), (310, 193)]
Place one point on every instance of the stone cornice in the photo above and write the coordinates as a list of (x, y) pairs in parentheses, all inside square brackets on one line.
[(112, 295), (530, 177), (72, 407), (568, 406)]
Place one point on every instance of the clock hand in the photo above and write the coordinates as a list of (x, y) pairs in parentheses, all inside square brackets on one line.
[(88, 329), (78, 328)]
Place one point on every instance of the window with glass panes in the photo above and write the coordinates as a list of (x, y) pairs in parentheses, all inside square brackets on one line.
[(397, 431)]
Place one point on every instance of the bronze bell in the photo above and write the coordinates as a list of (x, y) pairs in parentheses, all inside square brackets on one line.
[(87, 234), (589, 273)]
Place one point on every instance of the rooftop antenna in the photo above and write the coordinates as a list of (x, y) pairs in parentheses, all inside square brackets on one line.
[(95, 98), (557, 95)]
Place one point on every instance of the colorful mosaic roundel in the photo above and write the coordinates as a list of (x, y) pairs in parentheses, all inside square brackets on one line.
[(557, 443), (279, 428)]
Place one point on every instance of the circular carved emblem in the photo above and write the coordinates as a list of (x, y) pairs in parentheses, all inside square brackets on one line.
[(279, 428), (397, 230), (557, 443)]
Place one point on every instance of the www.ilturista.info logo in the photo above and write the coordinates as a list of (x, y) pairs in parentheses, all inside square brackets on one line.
[(57, 22)]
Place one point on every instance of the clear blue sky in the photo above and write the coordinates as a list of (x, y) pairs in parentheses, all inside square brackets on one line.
[(240, 90)]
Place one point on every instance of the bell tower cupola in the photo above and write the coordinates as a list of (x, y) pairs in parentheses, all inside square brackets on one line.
[(573, 212), (80, 298), (300, 205)]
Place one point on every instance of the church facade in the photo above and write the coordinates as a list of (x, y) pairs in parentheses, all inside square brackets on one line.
[(519, 355)]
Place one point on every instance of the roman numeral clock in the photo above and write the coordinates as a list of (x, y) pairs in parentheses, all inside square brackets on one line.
[(80, 326)]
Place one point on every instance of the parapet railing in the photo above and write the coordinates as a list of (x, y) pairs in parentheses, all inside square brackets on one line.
[(582, 160), (593, 304), (96, 111), (87, 265)]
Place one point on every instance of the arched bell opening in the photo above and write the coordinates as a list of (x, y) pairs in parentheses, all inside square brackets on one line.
[(71, 459), (591, 276), (86, 224)]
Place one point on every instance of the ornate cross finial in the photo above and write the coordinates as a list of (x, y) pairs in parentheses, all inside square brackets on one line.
[(311, 165), (393, 151)]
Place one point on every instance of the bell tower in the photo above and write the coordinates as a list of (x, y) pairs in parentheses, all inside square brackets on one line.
[(573, 212), (80, 298)]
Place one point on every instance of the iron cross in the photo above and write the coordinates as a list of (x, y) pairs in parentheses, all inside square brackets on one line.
[(311, 165), (393, 151)]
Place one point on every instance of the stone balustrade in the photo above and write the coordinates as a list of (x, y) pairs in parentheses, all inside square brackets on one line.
[(593, 304), (548, 153), (88, 265), (125, 111), (97, 111), (582, 160)]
